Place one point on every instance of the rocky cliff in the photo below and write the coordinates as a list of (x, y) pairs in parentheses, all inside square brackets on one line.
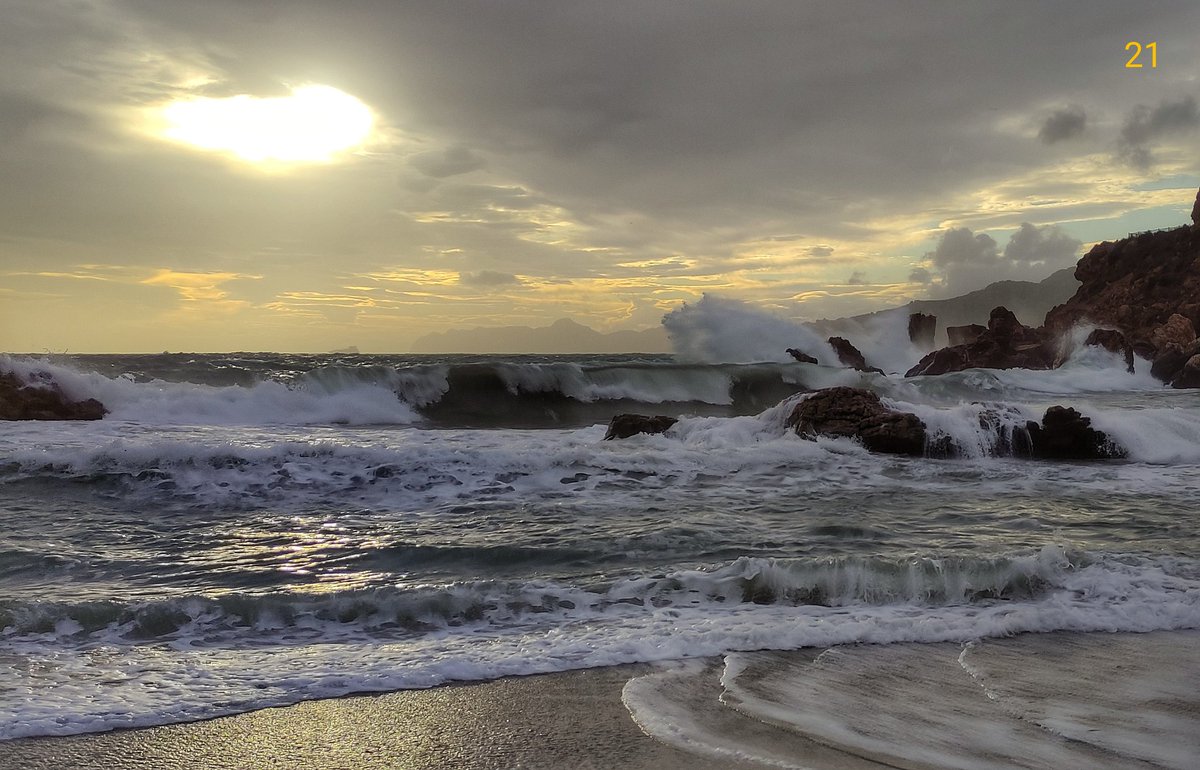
[(1136, 285)]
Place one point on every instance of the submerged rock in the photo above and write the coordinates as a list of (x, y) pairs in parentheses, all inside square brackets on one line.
[(1005, 344), (626, 425), (43, 401), (1065, 434), (858, 413)]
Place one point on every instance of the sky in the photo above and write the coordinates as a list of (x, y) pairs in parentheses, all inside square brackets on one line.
[(305, 176)]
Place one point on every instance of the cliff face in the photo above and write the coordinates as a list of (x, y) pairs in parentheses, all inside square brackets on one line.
[(1136, 285)]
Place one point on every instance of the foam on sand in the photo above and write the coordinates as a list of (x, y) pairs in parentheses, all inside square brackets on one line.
[(1033, 701)]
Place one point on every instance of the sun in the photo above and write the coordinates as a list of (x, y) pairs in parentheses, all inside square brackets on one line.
[(311, 125)]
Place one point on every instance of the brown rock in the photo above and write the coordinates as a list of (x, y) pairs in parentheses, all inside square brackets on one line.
[(1114, 342), (1065, 434), (1005, 344), (964, 335), (1137, 285), (626, 425), (1196, 211), (43, 401), (1177, 330), (921, 330), (858, 413)]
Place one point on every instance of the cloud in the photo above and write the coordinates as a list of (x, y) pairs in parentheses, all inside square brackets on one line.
[(820, 251), (1065, 123), (449, 162), (920, 275), (857, 278), (1049, 245), (489, 278), (196, 287), (1144, 125), (961, 246), (964, 261)]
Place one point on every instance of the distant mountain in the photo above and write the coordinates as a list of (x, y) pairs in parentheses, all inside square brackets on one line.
[(562, 336), (1028, 300)]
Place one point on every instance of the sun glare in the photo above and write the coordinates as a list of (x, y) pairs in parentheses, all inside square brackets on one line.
[(312, 125)]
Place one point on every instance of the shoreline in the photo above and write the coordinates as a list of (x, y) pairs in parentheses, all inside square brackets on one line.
[(703, 712)]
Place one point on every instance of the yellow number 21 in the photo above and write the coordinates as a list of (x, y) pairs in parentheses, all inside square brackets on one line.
[(1133, 62)]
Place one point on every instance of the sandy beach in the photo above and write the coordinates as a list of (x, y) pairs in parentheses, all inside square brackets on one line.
[(1034, 701)]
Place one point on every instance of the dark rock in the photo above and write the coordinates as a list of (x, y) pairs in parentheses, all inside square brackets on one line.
[(964, 335), (43, 401), (626, 425), (850, 355), (1171, 361), (1114, 342), (1196, 211), (1005, 344), (858, 413), (803, 358), (1065, 434), (921, 330), (1189, 375)]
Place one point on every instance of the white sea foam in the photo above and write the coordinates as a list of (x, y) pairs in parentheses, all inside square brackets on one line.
[(55, 687), (720, 330), (265, 403)]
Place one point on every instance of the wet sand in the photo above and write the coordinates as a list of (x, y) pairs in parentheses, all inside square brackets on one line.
[(1132, 700), (569, 720)]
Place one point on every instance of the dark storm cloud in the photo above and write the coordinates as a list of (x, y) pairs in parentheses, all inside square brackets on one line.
[(1144, 125), (1066, 123), (685, 111)]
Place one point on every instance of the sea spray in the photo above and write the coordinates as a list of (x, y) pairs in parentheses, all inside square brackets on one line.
[(720, 330)]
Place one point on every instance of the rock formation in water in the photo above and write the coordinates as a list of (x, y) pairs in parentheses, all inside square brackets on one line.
[(858, 413), (1005, 344), (850, 355), (843, 412), (921, 330), (1065, 434), (800, 356), (626, 425), (1114, 342), (42, 401), (1146, 287)]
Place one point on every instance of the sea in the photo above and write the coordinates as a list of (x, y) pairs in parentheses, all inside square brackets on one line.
[(248, 530)]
